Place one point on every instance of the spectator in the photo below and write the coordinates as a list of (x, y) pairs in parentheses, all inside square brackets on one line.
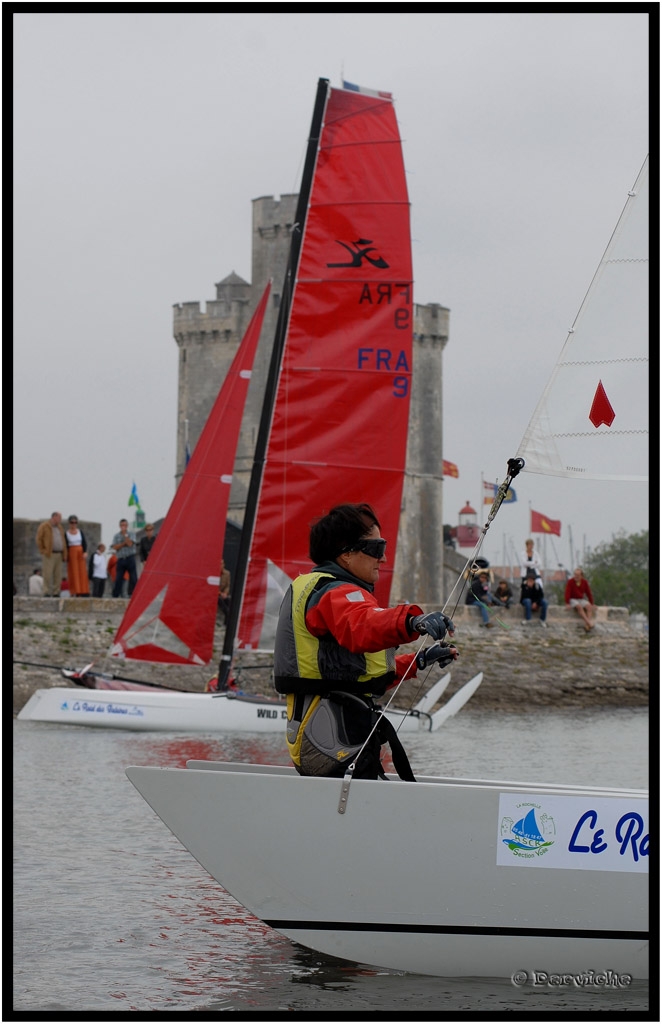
[(36, 584), (53, 550), (533, 598), (480, 594), (146, 542), (578, 596), (98, 570), (79, 585), (112, 574), (124, 546), (503, 594), (530, 559)]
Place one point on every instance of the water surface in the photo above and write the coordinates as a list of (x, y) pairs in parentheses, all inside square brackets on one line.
[(112, 914)]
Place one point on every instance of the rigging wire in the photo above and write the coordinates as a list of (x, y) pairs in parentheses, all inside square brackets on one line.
[(515, 465)]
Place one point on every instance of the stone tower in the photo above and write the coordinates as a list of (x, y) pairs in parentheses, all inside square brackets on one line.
[(208, 340), (420, 558)]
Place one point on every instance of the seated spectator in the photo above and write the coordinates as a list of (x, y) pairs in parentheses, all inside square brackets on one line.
[(36, 584), (578, 596), (479, 594), (533, 598), (503, 594)]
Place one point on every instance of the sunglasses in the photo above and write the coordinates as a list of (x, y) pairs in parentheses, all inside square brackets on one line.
[(372, 547)]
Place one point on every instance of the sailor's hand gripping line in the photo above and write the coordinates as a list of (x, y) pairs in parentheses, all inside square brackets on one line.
[(436, 625)]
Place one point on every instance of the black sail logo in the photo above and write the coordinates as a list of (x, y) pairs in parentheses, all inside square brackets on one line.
[(360, 250)]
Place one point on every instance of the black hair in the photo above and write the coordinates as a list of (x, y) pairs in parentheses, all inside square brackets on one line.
[(339, 529)]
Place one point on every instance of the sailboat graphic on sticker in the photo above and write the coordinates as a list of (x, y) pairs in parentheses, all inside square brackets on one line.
[(528, 834), (601, 410)]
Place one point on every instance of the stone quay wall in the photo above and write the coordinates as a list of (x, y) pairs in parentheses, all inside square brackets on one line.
[(525, 667)]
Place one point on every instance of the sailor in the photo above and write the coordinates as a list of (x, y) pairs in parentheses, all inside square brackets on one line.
[(335, 650)]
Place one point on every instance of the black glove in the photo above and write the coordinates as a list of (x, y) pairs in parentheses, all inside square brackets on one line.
[(435, 624), (442, 653)]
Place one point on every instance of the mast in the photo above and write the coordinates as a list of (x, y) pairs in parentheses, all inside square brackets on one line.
[(255, 484)]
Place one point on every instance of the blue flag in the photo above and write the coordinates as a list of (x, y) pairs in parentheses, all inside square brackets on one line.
[(490, 493), (188, 455), (133, 498)]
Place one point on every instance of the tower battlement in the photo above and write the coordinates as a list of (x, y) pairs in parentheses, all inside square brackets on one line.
[(211, 321), (219, 319), (431, 324)]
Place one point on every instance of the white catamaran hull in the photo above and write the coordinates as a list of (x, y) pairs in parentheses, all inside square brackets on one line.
[(179, 711), (431, 877)]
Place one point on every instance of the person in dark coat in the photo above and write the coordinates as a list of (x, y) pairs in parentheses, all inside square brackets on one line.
[(146, 542), (533, 598), (503, 594), (479, 593)]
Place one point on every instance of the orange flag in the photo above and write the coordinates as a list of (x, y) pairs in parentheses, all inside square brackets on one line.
[(449, 469)]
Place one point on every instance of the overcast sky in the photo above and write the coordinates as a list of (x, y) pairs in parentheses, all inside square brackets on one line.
[(141, 139)]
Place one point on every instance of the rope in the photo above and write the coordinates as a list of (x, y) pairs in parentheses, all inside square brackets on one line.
[(515, 465)]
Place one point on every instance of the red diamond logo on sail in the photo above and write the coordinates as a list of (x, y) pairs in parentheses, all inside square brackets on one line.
[(601, 410)]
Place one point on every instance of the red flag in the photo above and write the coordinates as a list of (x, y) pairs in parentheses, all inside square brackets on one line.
[(541, 524), (601, 410), (449, 469)]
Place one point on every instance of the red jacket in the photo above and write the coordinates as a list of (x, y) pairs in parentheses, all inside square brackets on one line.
[(364, 626), (577, 591)]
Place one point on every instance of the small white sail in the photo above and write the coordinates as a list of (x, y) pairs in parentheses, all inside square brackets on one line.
[(592, 419)]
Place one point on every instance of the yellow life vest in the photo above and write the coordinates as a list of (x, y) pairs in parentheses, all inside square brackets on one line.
[(309, 684)]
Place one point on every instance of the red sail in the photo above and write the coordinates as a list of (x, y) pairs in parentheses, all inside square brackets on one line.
[(172, 612), (339, 429)]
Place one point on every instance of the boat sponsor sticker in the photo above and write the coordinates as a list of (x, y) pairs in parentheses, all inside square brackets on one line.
[(585, 832), (101, 708)]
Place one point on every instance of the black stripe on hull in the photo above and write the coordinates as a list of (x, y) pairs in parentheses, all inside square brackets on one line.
[(434, 929)]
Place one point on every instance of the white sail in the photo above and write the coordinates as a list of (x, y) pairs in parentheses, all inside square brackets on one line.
[(592, 419)]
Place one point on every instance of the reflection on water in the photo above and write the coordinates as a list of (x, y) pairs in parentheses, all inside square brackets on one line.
[(112, 914), (591, 748), (174, 751)]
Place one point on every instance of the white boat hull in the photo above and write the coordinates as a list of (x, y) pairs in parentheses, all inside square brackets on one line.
[(416, 876), (180, 711), (157, 711)]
